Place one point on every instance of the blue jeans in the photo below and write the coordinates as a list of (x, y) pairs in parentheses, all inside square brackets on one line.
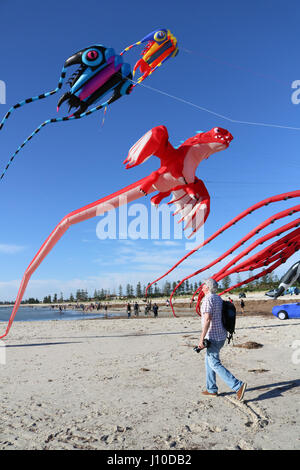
[(213, 366)]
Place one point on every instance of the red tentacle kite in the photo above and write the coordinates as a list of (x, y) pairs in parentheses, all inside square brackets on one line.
[(176, 175), (272, 256)]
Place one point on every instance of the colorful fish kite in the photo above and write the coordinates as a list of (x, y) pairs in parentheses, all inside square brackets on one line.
[(161, 45), (101, 72), (176, 175)]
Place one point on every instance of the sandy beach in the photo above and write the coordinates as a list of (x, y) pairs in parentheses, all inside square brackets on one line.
[(136, 384)]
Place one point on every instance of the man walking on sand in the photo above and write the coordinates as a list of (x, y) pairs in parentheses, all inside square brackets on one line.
[(214, 331)]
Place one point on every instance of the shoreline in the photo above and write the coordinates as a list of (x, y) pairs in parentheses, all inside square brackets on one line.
[(256, 305), (251, 296)]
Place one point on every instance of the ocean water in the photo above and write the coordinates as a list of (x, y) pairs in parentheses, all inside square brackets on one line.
[(47, 313)]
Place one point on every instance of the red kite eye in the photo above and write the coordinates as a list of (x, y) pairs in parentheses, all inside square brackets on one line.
[(92, 55), (217, 130)]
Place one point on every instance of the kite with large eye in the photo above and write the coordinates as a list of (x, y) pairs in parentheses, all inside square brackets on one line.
[(101, 73), (161, 45)]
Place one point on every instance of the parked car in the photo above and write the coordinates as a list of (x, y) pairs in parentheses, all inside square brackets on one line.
[(292, 291), (242, 295), (287, 311)]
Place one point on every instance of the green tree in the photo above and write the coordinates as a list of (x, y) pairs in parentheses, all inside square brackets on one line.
[(156, 290), (226, 282), (81, 295), (167, 288), (138, 290), (31, 300), (150, 290)]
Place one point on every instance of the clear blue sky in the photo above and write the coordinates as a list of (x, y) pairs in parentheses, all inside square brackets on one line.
[(237, 59)]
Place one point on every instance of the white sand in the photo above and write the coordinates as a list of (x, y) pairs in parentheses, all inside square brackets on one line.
[(136, 384)]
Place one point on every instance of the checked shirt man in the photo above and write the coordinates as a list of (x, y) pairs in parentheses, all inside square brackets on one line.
[(214, 331)]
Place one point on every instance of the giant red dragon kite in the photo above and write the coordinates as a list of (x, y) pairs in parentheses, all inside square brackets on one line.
[(175, 176)]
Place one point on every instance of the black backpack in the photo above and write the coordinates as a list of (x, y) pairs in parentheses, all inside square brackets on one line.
[(228, 318)]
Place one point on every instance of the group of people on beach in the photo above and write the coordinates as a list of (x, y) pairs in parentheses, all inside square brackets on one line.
[(147, 309), (97, 306), (85, 308)]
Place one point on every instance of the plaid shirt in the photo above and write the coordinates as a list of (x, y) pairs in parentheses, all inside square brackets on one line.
[(212, 304)]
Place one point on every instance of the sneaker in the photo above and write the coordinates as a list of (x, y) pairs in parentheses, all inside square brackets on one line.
[(208, 394), (241, 391)]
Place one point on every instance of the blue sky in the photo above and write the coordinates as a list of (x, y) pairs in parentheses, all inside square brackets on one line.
[(234, 60)]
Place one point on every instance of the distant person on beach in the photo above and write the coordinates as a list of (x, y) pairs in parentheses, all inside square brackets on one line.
[(128, 310), (214, 331), (155, 310), (105, 311), (136, 309), (147, 308), (242, 305)]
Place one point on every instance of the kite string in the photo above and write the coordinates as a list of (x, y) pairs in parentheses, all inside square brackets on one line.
[(214, 113), (235, 66)]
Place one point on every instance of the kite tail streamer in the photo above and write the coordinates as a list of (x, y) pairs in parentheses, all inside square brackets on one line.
[(265, 255), (45, 123), (246, 281), (104, 115), (283, 257), (35, 98), (130, 47), (242, 215)]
